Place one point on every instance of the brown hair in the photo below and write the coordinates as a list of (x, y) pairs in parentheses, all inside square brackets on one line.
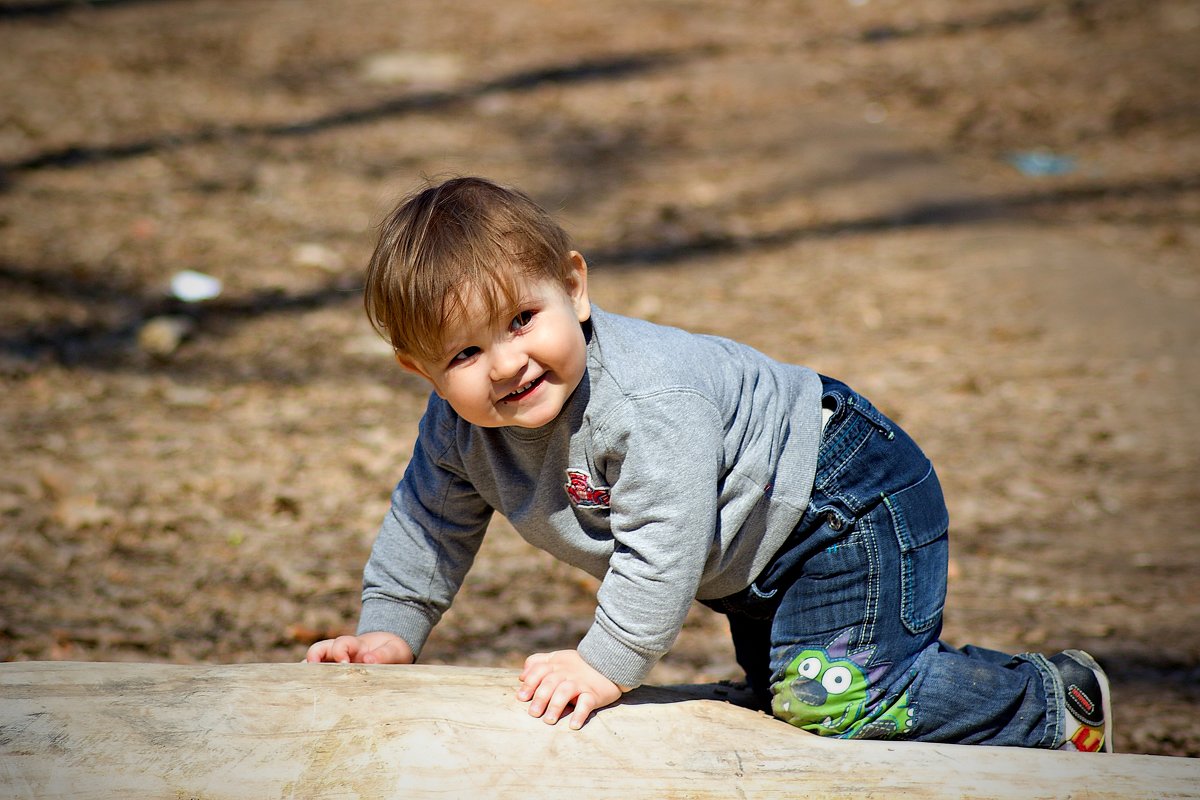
[(447, 244)]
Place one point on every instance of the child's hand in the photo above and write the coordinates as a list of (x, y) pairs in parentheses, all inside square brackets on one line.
[(551, 682), (369, 648)]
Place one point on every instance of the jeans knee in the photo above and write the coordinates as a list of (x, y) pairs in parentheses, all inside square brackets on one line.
[(826, 692), (808, 704)]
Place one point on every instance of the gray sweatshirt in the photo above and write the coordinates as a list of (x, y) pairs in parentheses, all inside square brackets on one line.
[(675, 471)]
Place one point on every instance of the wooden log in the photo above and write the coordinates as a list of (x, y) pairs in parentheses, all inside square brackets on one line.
[(70, 730)]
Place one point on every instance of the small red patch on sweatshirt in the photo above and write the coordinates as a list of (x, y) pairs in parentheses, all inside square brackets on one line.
[(582, 493)]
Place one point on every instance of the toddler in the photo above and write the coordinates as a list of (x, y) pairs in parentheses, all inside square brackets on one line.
[(673, 467)]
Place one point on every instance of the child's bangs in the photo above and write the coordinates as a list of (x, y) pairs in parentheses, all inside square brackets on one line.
[(459, 292), (493, 293)]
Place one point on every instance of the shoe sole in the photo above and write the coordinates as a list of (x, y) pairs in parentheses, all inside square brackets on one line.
[(1102, 678)]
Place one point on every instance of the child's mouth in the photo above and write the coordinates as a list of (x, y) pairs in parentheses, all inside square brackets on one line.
[(523, 391)]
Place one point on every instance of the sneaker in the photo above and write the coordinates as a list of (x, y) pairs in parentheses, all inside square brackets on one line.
[(1088, 703)]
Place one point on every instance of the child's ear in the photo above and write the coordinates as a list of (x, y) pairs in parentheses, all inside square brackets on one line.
[(409, 364), (577, 286)]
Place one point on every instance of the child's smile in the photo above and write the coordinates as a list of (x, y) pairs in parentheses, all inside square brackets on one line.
[(524, 391)]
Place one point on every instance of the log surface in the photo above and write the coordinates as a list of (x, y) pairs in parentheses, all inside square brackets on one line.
[(348, 731)]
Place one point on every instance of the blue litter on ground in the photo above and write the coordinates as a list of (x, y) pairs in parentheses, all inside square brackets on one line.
[(1038, 163)]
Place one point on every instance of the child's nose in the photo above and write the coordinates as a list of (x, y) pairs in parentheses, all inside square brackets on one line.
[(507, 360)]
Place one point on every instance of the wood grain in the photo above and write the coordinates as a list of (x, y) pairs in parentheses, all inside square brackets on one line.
[(106, 730)]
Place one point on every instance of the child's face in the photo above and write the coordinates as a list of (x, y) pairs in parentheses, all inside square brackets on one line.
[(520, 371)]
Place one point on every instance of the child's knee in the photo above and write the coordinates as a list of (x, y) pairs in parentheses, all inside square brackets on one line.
[(829, 693), (817, 706)]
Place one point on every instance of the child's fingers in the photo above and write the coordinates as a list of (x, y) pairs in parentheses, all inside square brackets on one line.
[(531, 680), (316, 653), (390, 651), (326, 650), (563, 695), (368, 649), (531, 662), (585, 704), (344, 649), (542, 695)]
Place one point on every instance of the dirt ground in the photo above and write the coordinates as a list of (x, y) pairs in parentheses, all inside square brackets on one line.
[(837, 183)]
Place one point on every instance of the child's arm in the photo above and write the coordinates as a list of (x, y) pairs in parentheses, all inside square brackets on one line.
[(551, 682), (663, 504), (428, 539), (367, 648)]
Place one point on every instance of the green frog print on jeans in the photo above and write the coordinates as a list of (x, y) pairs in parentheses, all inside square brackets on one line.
[(830, 692)]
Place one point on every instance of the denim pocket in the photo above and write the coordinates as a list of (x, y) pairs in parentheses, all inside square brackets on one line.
[(921, 522)]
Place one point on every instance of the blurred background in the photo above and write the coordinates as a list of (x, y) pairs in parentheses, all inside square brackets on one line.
[(983, 214)]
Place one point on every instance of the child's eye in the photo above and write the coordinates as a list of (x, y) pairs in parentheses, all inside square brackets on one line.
[(520, 321), (464, 355)]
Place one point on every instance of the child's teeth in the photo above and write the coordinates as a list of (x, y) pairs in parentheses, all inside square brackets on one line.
[(523, 388)]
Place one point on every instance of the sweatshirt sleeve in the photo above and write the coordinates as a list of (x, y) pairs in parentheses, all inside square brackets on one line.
[(428, 541), (664, 464)]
